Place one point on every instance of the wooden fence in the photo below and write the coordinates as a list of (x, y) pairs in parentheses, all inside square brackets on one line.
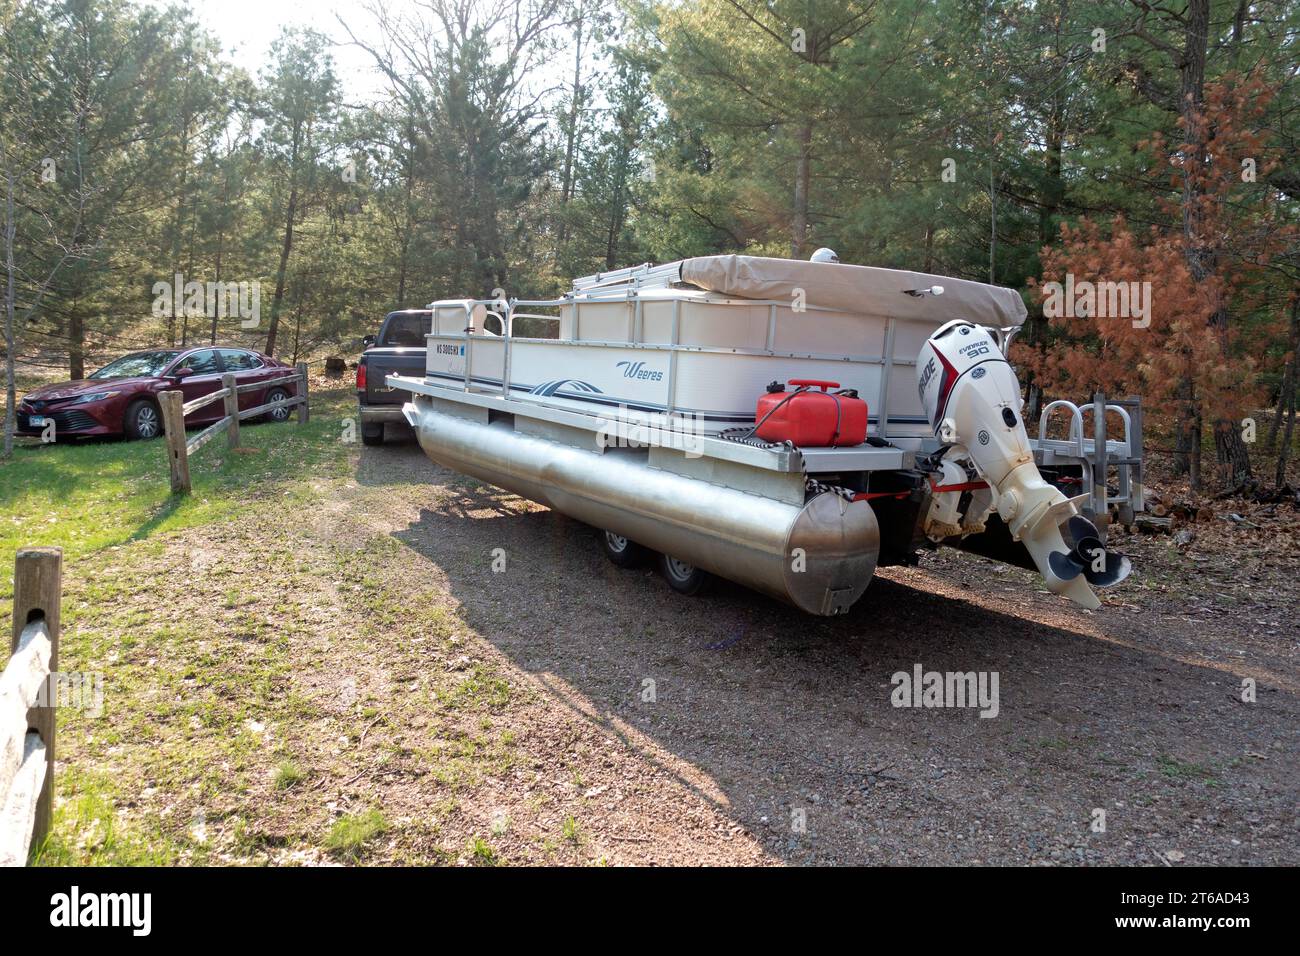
[(175, 408), (27, 702)]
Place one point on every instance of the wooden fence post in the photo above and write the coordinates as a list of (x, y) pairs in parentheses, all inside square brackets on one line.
[(304, 414), (231, 409), (177, 454), (38, 585)]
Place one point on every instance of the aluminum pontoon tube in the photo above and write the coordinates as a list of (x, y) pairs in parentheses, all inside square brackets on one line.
[(819, 556)]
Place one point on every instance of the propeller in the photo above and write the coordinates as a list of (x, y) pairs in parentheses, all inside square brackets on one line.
[(1088, 556)]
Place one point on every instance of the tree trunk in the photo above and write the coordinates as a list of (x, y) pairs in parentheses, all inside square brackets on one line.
[(189, 271), (1285, 450), (1035, 332), (571, 134), (993, 210), (618, 205), (1289, 370), (286, 247), (77, 344), (404, 241), (802, 176), (405, 245), (1233, 455), (1191, 73), (297, 323), (1230, 449), (1194, 462), (178, 225), (1187, 459), (11, 394), (221, 241), (1286, 401)]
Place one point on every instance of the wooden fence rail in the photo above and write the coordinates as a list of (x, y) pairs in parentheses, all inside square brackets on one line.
[(27, 702), (175, 408)]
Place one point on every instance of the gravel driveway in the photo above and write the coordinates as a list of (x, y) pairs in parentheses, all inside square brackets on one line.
[(759, 734)]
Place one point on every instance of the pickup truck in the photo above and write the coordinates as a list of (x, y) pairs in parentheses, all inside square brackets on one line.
[(397, 350)]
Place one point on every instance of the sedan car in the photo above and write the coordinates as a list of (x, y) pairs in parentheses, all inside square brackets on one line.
[(122, 397)]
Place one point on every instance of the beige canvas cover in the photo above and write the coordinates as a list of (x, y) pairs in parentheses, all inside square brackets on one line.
[(864, 290)]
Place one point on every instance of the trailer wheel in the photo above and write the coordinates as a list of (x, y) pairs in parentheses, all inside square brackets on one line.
[(682, 577), (622, 552)]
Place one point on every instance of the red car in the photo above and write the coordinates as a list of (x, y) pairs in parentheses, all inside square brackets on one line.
[(122, 397)]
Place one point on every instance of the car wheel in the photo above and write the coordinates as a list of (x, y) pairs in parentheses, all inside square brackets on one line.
[(142, 420), (621, 551), (682, 577), (280, 414), (372, 434)]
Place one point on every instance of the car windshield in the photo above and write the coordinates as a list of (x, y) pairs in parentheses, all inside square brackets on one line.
[(141, 363)]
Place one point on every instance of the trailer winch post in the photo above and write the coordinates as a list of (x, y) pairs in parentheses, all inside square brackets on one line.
[(1137, 489), (1100, 465)]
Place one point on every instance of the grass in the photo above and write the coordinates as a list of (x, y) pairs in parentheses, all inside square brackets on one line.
[(287, 775), (85, 496), (221, 623), (86, 833), (482, 853), (1177, 769), (180, 694), (349, 834)]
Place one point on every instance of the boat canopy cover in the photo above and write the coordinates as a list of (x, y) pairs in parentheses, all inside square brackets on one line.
[(863, 290)]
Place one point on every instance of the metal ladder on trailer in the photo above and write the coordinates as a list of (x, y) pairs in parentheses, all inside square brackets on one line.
[(1095, 456)]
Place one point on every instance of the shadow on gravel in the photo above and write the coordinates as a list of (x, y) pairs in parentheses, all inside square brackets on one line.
[(790, 717)]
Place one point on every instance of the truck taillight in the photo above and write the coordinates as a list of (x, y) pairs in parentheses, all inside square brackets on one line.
[(361, 376)]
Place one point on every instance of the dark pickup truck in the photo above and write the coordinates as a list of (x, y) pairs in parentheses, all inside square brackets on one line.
[(397, 350)]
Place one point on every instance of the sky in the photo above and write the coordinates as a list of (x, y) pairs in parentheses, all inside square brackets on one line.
[(248, 27)]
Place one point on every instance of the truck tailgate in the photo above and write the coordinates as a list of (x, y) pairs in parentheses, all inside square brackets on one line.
[(380, 363)]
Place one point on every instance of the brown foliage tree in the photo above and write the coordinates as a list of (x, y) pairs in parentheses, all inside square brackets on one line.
[(1184, 341)]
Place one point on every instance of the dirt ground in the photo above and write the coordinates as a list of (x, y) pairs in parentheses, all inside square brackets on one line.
[(561, 710)]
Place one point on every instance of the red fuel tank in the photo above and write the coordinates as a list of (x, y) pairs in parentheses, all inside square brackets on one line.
[(811, 419)]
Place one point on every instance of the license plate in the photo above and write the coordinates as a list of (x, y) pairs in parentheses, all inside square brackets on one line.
[(37, 421)]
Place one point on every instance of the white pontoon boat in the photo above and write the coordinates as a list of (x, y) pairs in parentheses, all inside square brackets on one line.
[(640, 418)]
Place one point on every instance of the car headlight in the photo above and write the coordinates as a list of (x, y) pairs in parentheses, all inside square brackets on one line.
[(92, 397)]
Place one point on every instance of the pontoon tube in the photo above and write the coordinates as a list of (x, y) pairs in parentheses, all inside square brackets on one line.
[(818, 556)]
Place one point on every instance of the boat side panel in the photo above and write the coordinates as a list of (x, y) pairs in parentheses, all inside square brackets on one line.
[(829, 332), (733, 383), (713, 388)]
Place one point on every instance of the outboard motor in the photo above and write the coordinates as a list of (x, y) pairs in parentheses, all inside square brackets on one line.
[(972, 399)]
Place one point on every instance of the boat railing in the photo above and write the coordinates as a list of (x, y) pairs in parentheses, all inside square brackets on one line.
[(634, 333)]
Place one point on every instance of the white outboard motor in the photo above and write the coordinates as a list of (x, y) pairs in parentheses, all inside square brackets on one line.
[(972, 399)]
